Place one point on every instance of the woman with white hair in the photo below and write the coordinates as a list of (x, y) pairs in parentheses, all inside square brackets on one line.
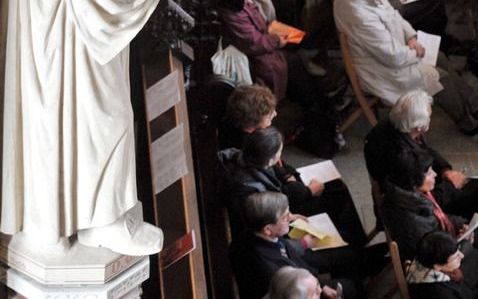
[(404, 130), (388, 60)]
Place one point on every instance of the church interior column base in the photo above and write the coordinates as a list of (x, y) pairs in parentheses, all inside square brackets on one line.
[(78, 265), (127, 285)]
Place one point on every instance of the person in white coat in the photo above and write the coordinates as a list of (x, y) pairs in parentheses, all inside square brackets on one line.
[(388, 60), (68, 147)]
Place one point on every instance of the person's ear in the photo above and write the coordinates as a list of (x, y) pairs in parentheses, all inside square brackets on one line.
[(266, 230)]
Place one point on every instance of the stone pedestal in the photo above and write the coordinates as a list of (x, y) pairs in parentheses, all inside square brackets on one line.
[(126, 285), (79, 265)]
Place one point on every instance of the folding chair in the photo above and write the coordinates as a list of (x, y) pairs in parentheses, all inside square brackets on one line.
[(364, 106)]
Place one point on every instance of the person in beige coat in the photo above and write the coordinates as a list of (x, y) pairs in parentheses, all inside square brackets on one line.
[(388, 57)]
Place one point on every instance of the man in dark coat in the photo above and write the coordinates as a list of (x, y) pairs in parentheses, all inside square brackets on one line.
[(259, 252)]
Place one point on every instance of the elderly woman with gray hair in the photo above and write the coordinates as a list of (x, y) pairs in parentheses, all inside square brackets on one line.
[(404, 130)]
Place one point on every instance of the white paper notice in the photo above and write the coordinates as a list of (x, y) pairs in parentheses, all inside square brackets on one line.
[(431, 43), (169, 158), (323, 172), (163, 95), (323, 223), (471, 227)]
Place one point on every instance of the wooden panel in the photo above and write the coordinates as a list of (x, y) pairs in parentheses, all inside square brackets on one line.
[(175, 207)]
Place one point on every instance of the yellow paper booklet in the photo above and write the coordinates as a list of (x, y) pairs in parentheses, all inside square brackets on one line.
[(293, 35), (321, 227)]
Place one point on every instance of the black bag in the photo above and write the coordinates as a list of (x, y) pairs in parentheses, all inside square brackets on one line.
[(317, 136), (426, 15)]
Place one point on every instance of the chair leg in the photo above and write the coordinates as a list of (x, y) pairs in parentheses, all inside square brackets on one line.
[(367, 110)]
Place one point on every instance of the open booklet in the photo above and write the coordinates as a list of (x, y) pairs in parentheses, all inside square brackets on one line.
[(292, 34), (431, 43), (471, 227), (323, 172), (321, 227)]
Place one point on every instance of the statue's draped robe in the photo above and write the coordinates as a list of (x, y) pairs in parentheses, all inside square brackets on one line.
[(68, 155)]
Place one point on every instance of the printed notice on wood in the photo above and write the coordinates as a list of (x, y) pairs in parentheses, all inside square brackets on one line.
[(169, 158), (163, 95), (177, 250)]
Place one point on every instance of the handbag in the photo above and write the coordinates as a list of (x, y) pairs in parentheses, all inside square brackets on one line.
[(231, 63)]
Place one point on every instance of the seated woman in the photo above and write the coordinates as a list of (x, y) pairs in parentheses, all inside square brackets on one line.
[(258, 167), (409, 208), (253, 107), (248, 108), (247, 27), (436, 271), (388, 60), (405, 130), (410, 211)]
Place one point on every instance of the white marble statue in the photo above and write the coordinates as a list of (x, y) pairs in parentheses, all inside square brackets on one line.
[(68, 154)]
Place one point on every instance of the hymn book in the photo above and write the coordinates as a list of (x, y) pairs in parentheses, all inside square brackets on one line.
[(322, 228), (292, 34)]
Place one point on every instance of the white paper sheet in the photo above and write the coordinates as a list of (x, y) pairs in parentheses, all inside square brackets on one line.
[(323, 172), (163, 95), (431, 43), (408, 1), (169, 158), (471, 227)]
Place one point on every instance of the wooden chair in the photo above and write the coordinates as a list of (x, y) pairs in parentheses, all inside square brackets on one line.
[(399, 268), (364, 106)]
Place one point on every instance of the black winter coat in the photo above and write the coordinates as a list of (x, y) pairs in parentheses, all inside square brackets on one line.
[(409, 215)]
